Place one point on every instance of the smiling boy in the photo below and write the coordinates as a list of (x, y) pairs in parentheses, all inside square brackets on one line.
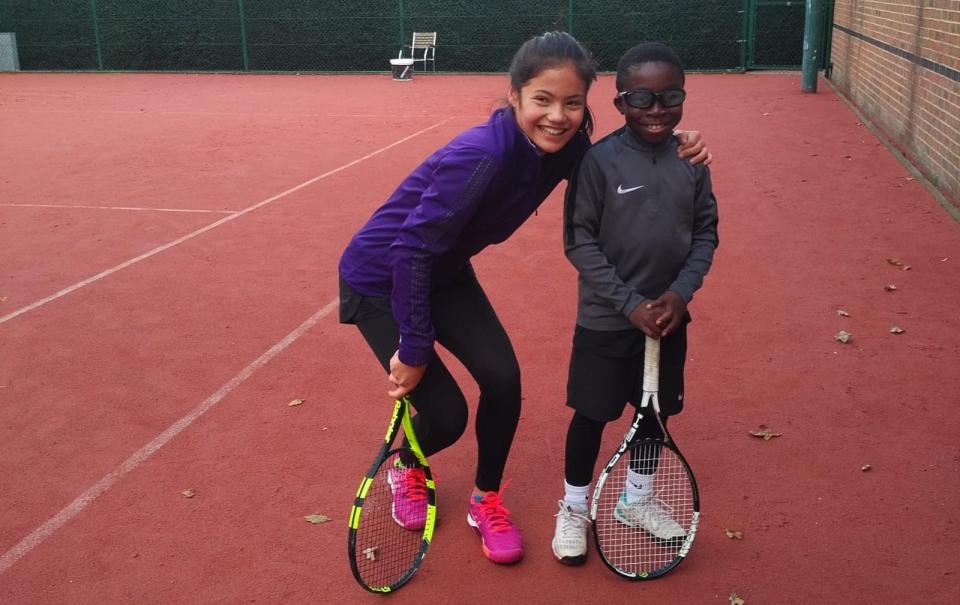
[(640, 226)]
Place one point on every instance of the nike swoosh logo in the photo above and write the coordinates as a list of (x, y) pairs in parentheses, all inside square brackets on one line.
[(621, 190)]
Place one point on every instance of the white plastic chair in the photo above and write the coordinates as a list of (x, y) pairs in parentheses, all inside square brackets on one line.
[(425, 44)]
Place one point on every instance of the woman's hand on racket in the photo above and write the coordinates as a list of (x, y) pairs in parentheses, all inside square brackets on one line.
[(403, 377), (691, 146), (669, 308)]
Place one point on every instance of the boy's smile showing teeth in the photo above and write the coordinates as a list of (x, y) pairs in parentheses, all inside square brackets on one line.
[(655, 127)]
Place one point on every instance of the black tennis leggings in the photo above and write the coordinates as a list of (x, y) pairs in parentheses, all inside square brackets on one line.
[(467, 326), (583, 446)]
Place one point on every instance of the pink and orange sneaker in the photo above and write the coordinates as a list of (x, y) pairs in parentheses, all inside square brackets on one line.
[(491, 520), (409, 488)]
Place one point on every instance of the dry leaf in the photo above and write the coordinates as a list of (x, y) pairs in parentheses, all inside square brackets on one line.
[(189, 493), (943, 260), (890, 287), (317, 518), (765, 432), (896, 262), (733, 534), (370, 553), (3, 299), (896, 330), (843, 336), (866, 467), (842, 313), (296, 402), (736, 600)]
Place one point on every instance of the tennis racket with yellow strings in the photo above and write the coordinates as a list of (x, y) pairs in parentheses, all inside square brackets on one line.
[(392, 519)]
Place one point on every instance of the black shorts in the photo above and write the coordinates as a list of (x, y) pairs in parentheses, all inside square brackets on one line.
[(606, 371)]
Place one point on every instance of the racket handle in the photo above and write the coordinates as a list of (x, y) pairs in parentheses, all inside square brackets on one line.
[(651, 365)]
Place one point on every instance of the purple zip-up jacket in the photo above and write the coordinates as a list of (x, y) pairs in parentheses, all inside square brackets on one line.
[(475, 191)]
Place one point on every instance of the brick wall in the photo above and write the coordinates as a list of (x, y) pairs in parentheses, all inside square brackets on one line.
[(899, 63)]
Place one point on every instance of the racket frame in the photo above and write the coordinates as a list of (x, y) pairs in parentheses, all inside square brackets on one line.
[(399, 420), (651, 387)]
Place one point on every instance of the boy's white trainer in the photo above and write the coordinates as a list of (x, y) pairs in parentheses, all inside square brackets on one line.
[(570, 537), (649, 514)]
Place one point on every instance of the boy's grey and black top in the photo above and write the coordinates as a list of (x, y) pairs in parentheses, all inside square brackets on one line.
[(638, 221)]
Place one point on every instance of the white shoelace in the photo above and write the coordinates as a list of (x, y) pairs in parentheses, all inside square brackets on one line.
[(573, 522)]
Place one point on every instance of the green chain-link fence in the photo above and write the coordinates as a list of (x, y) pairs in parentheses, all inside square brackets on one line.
[(315, 35)]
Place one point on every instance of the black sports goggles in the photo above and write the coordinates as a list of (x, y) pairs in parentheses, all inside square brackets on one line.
[(643, 99)]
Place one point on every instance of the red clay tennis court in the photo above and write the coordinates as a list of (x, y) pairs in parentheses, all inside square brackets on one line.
[(168, 246)]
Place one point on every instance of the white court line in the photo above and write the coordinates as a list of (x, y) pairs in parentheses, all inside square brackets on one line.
[(15, 205), (46, 530), (209, 227), (392, 116)]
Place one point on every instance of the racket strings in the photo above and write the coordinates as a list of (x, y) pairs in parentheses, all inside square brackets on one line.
[(645, 537), (385, 552)]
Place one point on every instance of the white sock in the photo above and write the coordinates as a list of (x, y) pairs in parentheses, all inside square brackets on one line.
[(576, 496), (638, 486)]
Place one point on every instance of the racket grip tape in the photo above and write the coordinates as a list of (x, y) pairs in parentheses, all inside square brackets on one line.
[(651, 365)]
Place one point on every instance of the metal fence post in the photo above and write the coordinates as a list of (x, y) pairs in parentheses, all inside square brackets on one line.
[(243, 35), (811, 46), (570, 17), (744, 34), (403, 35), (96, 33)]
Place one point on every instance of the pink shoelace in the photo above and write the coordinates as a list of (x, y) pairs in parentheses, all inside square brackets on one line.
[(494, 511), (415, 484)]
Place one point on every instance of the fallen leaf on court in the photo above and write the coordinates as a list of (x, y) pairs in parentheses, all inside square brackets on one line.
[(3, 299), (733, 534), (765, 432), (370, 553), (317, 518), (943, 260), (896, 262), (844, 336), (910, 178), (896, 330), (189, 493), (842, 313), (766, 113), (890, 287), (736, 600), (866, 467), (847, 157), (296, 402)]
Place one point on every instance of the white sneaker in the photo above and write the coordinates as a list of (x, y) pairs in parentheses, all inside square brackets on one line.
[(651, 515), (570, 538)]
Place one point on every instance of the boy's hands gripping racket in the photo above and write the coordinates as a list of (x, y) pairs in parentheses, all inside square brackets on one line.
[(391, 523), (645, 507)]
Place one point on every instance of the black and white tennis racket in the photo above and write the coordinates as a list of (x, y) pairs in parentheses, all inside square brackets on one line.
[(645, 507), (389, 536)]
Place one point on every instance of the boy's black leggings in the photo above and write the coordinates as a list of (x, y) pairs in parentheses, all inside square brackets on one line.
[(583, 446), (467, 326)]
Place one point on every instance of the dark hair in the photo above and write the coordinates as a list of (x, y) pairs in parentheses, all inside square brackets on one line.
[(648, 52), (549, 50)]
